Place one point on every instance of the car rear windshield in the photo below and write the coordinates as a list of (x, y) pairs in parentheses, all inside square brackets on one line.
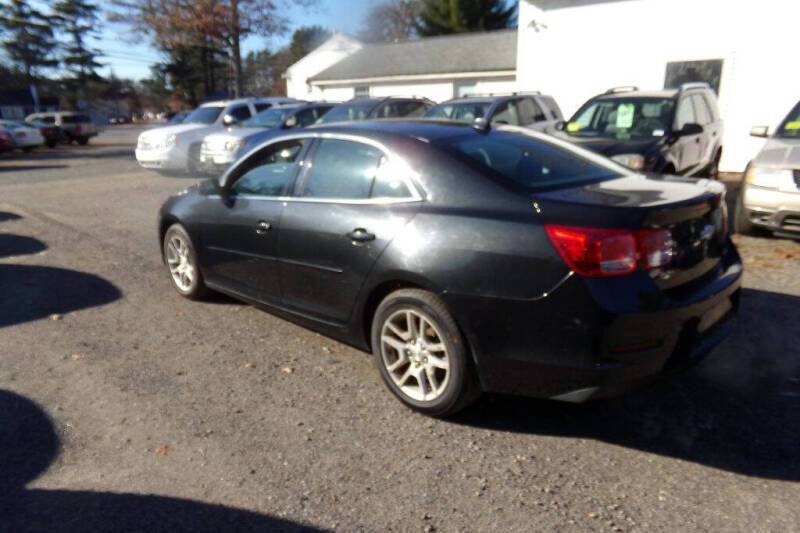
[(623, 118), (74, 119), (204, 115), (460, 111), (526, 161), (348, 112), (790, 127)]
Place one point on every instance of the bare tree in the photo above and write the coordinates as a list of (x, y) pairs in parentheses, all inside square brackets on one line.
[(391, 21)]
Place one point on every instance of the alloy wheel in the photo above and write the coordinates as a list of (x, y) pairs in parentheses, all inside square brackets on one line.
[(414, 355), (180, 263)]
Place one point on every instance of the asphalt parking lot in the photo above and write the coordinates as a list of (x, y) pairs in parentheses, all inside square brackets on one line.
[(124, 407)]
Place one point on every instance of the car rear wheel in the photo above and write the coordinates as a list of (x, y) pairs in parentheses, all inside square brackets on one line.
[(83, 140), (181, 260), (712, 172), (421, 354)]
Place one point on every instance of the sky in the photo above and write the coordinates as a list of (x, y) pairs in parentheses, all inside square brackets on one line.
[(130, 56)]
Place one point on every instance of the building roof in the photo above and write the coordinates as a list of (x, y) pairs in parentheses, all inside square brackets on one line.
[(464, 52)]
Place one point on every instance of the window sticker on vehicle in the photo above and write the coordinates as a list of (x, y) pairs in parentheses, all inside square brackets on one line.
[(658, 133), (573, 126), (794, 125), (625, 115)]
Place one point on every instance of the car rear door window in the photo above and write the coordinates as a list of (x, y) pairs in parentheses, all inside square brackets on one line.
[(342, 170), (270, 172), (262, 106), (530, 112), (240, 113), (306, 117), (701, 110), (506, 113)]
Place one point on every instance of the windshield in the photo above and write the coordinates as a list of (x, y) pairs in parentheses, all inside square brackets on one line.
[(527, 161), (623, 118), (268, 119), (177, 118), (204, 115), (346, 112), (74, 119), (461, 111), (790, 127), (11, 125)]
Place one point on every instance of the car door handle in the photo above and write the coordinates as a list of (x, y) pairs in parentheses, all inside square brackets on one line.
[(361, 235), (263, 227)]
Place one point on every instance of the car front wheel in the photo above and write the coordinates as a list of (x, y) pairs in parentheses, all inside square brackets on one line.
[(421, 354), (181, 260)]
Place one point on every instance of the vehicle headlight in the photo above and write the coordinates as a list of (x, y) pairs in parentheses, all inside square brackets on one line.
[(232, 146), (774, 178), (171, 141), (634, 161)]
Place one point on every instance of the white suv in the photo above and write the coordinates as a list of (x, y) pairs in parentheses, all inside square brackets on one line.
[(177, 147)]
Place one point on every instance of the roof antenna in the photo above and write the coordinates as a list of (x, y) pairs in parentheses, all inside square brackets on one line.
[(481, 125)]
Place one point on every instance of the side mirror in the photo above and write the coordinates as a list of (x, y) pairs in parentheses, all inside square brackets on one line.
[(290, 123), (759, 131), (228, 120), (690, 129), (560, 125)]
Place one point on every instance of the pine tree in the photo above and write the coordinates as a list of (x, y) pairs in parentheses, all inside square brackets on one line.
[(28, 37), (440, 17), (78, 20)]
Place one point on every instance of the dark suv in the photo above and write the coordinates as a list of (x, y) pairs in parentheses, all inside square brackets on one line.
[(534, 110), (671, 131), (368, 108)]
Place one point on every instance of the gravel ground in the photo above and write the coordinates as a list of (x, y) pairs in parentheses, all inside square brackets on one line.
[(124, 407)]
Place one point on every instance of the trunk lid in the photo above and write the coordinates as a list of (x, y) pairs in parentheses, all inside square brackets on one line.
[(693, 210)]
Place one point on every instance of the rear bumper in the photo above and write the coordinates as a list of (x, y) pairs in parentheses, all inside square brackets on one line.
[(772, 209), (567, 347)]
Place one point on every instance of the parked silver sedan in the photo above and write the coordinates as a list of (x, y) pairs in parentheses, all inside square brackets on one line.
[(770, 197)]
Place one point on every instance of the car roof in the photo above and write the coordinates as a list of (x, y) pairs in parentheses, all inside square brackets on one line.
[(663, 93), (271, 99), (418, 128)]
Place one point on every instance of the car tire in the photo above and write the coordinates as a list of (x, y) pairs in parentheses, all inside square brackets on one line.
[(83, 141), (712, 171), (421, 354), (28, 149), (180, 258), (52, 144)]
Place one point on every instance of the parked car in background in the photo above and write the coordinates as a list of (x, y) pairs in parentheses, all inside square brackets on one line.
[(74, 126), (534, 110), (219, 150), (177, 147), (367, 108), (119, 119), (7, 143), (770, 195), (670, 131), (50, 132), (497, 259), (25, 136)]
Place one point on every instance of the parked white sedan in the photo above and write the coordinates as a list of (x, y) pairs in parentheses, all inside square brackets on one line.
[(24, 136)]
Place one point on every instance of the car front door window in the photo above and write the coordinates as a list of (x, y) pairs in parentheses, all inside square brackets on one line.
[(270, 172)]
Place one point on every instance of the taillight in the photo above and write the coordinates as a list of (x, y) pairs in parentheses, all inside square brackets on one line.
[(601, 252)]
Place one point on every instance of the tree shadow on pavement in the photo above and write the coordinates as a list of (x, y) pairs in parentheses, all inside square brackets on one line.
[(5, 216), (738, 411), (11, 245), (29, 443), (30, 292), (20, 168)]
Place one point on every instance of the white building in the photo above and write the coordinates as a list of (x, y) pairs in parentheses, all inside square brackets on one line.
[(438, 68), (575, 49)]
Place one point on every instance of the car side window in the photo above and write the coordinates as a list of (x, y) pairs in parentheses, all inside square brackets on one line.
[(701, 109), (269, 172), (506, 113), (388, 184), (262, 106), (342, 170), (550, 102), (240, 113), (530, 112), (306, 117), (685, 114)]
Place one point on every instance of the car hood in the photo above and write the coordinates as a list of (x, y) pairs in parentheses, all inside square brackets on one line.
[(232, 134), (166, 131), (637, 190), (610, 146), (777, 152)]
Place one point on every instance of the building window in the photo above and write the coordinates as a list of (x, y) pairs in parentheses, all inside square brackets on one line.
[(680, 72), (361, 91), (465, 89)]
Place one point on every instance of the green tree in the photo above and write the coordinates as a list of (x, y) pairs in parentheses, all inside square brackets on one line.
[(440, 17), (391, 21), (27, 37), (77, 19), (304, 40)]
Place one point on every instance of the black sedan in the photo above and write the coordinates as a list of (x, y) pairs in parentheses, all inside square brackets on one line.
[(466, 259)]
